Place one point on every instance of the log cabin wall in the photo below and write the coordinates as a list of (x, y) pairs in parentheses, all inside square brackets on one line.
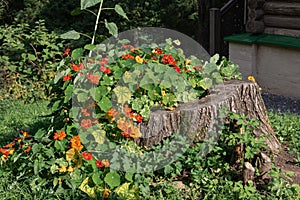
[(279, 17)]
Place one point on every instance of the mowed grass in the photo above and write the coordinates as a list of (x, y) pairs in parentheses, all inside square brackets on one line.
[(16, 115)]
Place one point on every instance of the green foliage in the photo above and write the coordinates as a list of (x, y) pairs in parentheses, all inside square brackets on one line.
[(28, 56), (287, 129)]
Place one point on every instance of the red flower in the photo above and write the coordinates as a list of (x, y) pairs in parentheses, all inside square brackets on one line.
[(85, 112), (4, 151), (27, 149), (157, 51), (99, 164), (128, 56), (138, 118), (66, 78), (86, 123), (168, 59), (105, 70), (67, 51), (177, 69), (87, 156), (103, 61), (92, 79), (76, 68)]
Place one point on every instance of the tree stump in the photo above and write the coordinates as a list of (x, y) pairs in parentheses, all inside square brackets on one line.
[(200, 117)]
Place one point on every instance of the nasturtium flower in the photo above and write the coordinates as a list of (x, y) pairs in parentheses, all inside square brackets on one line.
[(59, 135), (157, 51), (128, 128), (27, 149), (105, 70), (127, 57), (177, 69), (112, 112), (94, 79), (251, 78), (85, 112), (76, 143), (66, 53), (87, 156), (103, 61), (106, 193), (62, 169), (67, 77), (168, 59), (86, 123), (24, 133), (105, 162), (99, 164), (138, 118), (138, 59), (76, 68), (70, 169)]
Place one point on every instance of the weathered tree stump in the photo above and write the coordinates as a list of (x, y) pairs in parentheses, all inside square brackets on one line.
[(201, 117)]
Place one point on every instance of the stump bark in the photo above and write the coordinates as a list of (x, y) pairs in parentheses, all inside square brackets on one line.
[(203, 116)]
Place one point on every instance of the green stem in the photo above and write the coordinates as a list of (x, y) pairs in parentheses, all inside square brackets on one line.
[(96, 25)]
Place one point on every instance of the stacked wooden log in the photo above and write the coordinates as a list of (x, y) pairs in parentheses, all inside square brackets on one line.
[(255, 23), (282, 17)]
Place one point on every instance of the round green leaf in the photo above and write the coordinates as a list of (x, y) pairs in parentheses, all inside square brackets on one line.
[(112, 179), (70, 35)]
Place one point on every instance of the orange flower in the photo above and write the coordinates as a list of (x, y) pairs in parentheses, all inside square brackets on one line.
[(128, 128), (127, 56), (251, 78), (76, 68), (59, 135), (157, 51), (106, 193), (27, 149), (76, 143), (67, 51), (138, 118), (112, 112), (87, 156), (24, 133), (105, 162)]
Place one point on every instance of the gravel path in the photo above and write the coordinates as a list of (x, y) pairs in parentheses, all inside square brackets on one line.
[(281, 103)]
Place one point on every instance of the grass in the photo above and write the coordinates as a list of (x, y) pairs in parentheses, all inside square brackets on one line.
[(16, 115)]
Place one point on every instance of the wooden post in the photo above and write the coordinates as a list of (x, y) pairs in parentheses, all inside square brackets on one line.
[(215, 31)]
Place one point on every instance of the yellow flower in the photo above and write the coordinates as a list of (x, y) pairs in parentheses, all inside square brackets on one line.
[(11, 151), (62, 169), (106, 193), (187, 61), (251, 78), (70, 169), (59, 181), (139, 59), (163, 93), (4, 158)]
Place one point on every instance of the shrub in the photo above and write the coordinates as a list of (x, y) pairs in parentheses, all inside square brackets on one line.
[(28, 56)]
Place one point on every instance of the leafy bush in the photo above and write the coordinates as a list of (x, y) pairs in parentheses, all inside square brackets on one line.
[(28, 56)]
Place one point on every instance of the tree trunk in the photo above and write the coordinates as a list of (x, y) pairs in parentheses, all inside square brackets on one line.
[(202, 117)]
